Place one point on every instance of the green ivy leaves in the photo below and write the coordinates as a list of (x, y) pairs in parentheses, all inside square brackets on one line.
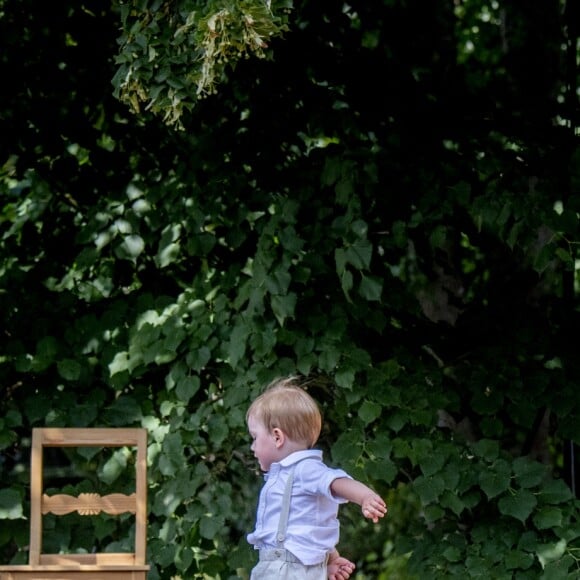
[(518, 504), (517, 490), (174, 53), (10, 505), (496, 480)]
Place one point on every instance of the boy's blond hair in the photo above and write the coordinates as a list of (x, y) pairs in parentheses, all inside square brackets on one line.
[(287, 406)]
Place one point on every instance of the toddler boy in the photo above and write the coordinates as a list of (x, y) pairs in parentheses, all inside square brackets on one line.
[(297, 528)]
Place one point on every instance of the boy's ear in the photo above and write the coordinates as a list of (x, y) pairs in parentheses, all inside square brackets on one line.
[(278, 436)]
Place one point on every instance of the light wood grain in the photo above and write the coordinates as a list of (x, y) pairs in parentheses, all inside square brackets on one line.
[(93, 566)]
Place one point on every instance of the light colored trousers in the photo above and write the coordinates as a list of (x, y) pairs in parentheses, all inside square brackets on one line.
[(282, 565)]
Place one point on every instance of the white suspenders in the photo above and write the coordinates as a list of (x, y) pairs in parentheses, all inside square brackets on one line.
[(284, 512)]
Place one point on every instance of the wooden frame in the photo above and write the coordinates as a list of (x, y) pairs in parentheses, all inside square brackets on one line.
[(96, 566)]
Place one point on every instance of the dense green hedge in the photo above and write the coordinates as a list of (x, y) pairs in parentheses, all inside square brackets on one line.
[(382, 196)]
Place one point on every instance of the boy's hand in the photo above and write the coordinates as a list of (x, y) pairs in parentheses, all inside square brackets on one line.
[(373, 507), (339, 568)]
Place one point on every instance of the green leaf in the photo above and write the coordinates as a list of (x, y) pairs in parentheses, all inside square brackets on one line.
[(529, 473), (543, 258), (369, 411), (382, 470), (452, 501), (198, 358), (360, 357), (515, 560), (10, 505), (371, 288), (346, 283), (166, 553), (505, 213), (514, 233), (187, 387), (429, 488), (283, 307), (360, 228), (47, 348), (278, 282), (432, 464), (184, 558), (217, 429), (211, 525), (123, 412), (565, 256), (551, 551), (120, 363), (380, 446), (359, 254), (567, 222), (344, 378), (340, 260), (433, 513), (477, 567), (131, 247), (564, 567), (496, 479), (487, 449), (396, 421), (291, 241), (171, 461), (346, 449), (400, 236), (7, 437), (528, 541), (236, 347), (421, 448), (104, 528), (331, 171), (328, 359), (461, 191), (241, 556), (69, 369), (519, 505), (437, 237), (548, 517), (168, 252), (174, 338), (306, 362), (114, 467), (452, 475), (344, 189), (38, 408), (452, 554), (555, 491)]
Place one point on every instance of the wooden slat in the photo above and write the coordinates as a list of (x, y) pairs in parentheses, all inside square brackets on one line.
[(76, 573), (97, 559), (99, 566), (36, 478), (89, 504), (141, 491), (58, 567), (93, 437)]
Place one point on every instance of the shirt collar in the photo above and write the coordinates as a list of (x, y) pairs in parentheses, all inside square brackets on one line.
[(300, 455)]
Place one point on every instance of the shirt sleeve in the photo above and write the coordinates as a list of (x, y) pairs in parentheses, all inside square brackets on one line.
[(316, 478)]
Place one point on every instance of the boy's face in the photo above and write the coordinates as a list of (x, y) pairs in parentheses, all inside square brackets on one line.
[(263, 444)]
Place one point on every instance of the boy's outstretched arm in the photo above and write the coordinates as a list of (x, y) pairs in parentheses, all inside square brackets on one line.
[(372, 505)]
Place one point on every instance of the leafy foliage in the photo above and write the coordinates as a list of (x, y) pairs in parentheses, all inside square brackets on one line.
[(174, 53), (411, 249)]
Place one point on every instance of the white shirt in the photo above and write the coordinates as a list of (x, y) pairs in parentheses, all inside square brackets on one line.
[(313, 527)]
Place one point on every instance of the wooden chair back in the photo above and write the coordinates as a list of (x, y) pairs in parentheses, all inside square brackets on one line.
[(86, 566)]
